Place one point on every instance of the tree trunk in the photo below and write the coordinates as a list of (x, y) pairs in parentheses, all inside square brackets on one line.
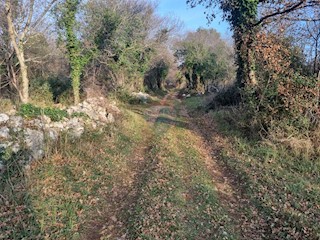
[(13, 79), (315, 63), (159, 81), (246, 73), (18, 48), (24, 76), (76, 88), (198, 85), (191, 86), (252, 80)]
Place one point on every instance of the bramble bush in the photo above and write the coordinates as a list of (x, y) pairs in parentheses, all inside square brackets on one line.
[(282, 92)]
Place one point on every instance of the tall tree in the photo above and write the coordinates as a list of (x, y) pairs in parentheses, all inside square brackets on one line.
[(245, 18), (19, 26)]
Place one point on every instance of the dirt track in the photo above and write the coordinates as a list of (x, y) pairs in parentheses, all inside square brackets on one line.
[(116, 220)]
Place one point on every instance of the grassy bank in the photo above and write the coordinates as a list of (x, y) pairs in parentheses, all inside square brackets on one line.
[(283, 186)]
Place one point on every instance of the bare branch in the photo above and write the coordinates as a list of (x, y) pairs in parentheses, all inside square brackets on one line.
[(30, 14), (45, 11), (280, 12)]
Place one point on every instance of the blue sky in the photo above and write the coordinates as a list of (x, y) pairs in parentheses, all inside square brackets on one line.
[(192, 18)]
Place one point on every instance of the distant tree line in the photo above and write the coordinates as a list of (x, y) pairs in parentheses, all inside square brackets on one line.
[(206, 61)]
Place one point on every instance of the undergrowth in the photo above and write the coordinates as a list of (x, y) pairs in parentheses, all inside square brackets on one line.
[(6, 105)]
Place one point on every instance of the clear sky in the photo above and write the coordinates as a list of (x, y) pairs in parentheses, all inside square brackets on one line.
[(192, 18)]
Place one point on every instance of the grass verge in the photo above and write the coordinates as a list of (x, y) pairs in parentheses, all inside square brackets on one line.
[(283, 186)]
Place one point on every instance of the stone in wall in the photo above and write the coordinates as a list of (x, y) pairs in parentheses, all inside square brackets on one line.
[(3, 118), (34, 142), (4, 133)]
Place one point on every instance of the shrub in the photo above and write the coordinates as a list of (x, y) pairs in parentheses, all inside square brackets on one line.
[(294, 99), (283, 94), (66, 98), (284, 110), (124, 96), (29, 111), (226, 97), (55, 114)]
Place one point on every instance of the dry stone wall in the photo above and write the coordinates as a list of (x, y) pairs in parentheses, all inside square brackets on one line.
[(30, 135)]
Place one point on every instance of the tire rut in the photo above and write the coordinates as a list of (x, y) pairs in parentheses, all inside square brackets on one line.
[(228, 186), (113, 222)]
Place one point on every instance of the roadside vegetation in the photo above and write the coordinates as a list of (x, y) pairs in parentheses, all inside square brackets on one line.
[(281, 181), (215, 138)]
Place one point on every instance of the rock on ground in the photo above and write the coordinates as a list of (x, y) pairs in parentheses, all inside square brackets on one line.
[(141, 96)]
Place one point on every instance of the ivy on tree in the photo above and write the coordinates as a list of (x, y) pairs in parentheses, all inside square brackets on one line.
[(67, 22)]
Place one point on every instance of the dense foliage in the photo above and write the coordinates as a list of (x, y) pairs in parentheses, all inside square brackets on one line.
[(126, 35), (274, 77)]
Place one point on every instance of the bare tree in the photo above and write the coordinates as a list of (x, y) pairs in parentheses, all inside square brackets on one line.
[(23, 17)]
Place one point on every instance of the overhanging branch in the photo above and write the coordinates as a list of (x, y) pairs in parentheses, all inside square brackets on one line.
[(285, 11)]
